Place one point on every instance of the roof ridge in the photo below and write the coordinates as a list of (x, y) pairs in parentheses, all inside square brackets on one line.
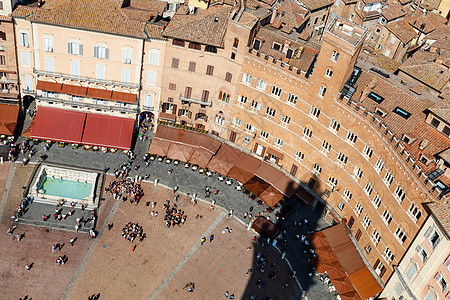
[(196, 20)]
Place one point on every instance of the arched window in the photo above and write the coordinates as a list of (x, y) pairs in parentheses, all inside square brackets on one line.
[(431, 295), (211, 49), (335, 55), (196, 46), (328, 73), (236, 43), (178, 42)]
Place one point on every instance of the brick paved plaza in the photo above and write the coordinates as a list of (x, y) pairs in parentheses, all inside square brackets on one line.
[(159, 267)]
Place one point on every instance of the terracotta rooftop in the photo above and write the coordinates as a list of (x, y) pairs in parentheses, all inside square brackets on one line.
[(445, 155), (425, 22), (97, 15), (393, 11), (441, 36), (441, 213), (402, 30), (431, 74), (428, 4), (441, 109), (291, 13), (207, 26), (347, 31), (316, 4)]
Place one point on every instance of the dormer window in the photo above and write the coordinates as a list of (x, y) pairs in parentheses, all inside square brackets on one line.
[(177, 42), (276, 46), (289, 53), (195, 46), (257, 44), (380, 112)]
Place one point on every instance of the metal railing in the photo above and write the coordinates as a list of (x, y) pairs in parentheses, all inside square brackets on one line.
[(207, 103)]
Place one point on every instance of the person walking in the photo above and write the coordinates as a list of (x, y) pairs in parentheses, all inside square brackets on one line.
[(72, 241), (211, 238), (203, 239)]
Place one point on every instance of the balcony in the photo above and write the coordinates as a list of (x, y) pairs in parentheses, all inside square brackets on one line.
[(89, 105), (196, 101), (86, 79), (148, 108)]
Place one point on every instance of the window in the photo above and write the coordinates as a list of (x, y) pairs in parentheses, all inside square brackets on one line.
[(249, 127), (192, 66), (99, 101), (211, 49), (433, 237), (360, 5), (75, 67), (247, 79), (299, 155), (233, 55), (151, 77), (276, 46), (387, 218), (375, 237), (322, 91), (246, 139), (387, 52), (307, 133), (27, 83), (209, 70), (393, 40), (1, 5), (402, 113), (123, 104), (228, 77), (316, 169), (195, 46), (177, 42), (185, 113), (175, 63), (255, 105), (278, 142), (3, 34), (101, 72), (375, 97), (261, 85), (126, 75), (411, 271), (347, 195), (172, 86), (447, 263), (352, 16), (399, 194), (414, 212), (23, 38), (368, 189), (314, 112), (341, 205), (75, 98), (148, 102), (342, 159), (400, 235), (75, 48), (388, 178), (367, 152), (154, 58), (379, 166), (388, 255), (376, 201), (334, 56), (328, 73), (126, 55), (237, 122), (48, 44), (358, 209), (285, 120), (292, 99), (49, 66), (270, 113), (422, 253), (366, 222), (276, 91), (357, 173), (49, 94), (236, 43), (332, 182), (440, 279), (188, 92), (431, 295), (101, 52), (224, 97), (263, 135), (2, 60), (351, 137), (242, 100), (435, 122), (219, 120), (326, 147)]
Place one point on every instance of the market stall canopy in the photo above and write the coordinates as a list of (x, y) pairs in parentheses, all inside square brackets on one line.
[(223, 160), (107, 131), (256, 185), (266, 228), (180, 152), (200, 157), (244, 168), (27, 132), (8, 118), (159, 147), (167, 133), (286, 185), (58, 125), (271, 196)]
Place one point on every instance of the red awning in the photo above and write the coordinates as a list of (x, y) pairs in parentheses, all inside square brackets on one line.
[(107, 131), (99, 94), (75, 90), (58, 125), (8, 118), (124, 97), (49, 86)]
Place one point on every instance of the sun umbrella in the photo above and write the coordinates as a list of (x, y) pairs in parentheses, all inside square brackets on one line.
[(180, 152), (159, 147), (271, 196), (256, 185)]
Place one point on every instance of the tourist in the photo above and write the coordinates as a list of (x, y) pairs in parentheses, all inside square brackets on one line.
[(72, 241)]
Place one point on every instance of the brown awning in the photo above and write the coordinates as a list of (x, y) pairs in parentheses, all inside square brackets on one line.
[(223, 160), (200, 157), (74, 90), (305, 196), (123, 97), (240, 174), (275, 153), (209, 143), (269, 173), (180, 152), (286, 185), (170, 117), (265, 228), (244, 168), (271, 196), (167, 133), (49, 86), (8, 118), (159, 147), (99, 94), (27, 132), (256, 185)]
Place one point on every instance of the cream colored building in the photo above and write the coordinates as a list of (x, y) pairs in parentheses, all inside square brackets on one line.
[(424, 271)]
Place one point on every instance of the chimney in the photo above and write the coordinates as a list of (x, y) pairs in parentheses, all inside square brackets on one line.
[(274, 15)]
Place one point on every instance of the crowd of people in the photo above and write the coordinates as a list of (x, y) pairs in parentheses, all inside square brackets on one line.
[(174, 216), (132, 231), (126, 189)]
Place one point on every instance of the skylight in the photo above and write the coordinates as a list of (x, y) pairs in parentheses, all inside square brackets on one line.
[(402, 113), (375, 97)]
